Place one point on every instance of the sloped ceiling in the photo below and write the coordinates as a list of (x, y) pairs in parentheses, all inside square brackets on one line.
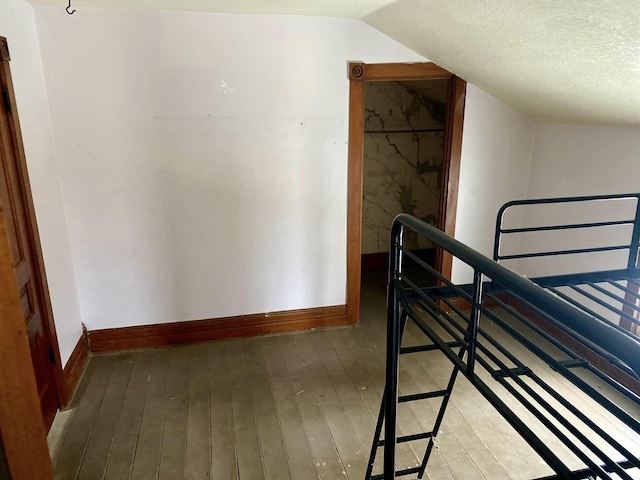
[(572, 61)]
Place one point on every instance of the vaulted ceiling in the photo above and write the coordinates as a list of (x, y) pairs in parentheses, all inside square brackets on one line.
[(573, 61)]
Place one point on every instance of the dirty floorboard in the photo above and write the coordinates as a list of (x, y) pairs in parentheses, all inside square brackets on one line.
[(297, 406)]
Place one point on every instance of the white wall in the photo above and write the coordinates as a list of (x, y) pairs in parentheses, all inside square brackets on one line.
[(18, 26), (571, 160), (186, 203), (496, 157), (584, 160)]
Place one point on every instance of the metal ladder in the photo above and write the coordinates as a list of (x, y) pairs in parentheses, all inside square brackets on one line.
[(431, 435), (494, 283)]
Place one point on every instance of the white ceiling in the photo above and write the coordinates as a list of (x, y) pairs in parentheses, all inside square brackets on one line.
[(573, 61)]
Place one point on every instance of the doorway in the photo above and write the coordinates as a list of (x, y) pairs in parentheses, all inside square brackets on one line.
[(405, 138), (18, 214)]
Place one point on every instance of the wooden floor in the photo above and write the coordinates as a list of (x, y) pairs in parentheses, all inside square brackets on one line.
[(300, 406)]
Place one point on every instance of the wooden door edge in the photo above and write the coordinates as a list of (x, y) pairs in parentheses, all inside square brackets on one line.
[(21, 424), (6, 83)]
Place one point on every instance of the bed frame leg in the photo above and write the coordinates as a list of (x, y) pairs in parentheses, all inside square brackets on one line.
[(380, 422)]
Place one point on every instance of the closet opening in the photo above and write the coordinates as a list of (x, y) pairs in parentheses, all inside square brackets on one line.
[(405, 138), (404, 130)]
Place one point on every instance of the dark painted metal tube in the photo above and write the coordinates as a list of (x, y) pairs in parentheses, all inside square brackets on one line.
[(570, 226), (633, 247), (626, 290), (632, 262), (608, 306), (622, 300), (626, 348), (393, 352), (474, 319), (555, 253)]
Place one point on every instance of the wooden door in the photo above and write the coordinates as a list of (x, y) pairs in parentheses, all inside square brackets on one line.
[(16, 211)]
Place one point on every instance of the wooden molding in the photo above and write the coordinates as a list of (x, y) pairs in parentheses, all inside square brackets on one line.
[(383, 72), (354, 197), (159, 335), (456, 94), (358, 74), (356, 70), (74, 368), (4, 50), (21, 424)]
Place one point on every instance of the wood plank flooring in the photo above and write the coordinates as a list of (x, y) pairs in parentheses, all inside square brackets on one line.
[(298, 406)]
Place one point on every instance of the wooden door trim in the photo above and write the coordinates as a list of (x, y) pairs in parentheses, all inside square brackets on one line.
[(456, 94), (6, 84), (359, 73)]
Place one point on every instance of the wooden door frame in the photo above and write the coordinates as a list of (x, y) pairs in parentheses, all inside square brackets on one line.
[(40, 278), (359, 73)]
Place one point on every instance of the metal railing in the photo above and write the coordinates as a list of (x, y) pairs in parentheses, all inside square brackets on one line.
[(632, 246), (457, 333)]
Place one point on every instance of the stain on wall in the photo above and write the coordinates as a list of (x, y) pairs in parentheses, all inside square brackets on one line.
[(404, 140)]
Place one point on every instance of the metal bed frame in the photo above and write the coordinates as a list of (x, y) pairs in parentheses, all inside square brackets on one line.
[(510, 301)]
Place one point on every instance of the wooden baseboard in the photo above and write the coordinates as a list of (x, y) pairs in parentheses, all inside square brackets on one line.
[(74, 368), (159, 335)]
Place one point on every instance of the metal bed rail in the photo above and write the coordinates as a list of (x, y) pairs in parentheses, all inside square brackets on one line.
[(631, 245), (612, 296), (487, 363)]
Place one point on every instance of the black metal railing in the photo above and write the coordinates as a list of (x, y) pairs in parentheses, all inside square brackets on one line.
[(458, 334), (612, 296), (631, 245)]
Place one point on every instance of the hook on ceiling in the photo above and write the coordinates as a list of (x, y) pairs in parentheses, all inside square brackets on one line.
[(70, 12)]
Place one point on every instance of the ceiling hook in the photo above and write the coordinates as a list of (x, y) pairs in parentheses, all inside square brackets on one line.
[(70, 12)]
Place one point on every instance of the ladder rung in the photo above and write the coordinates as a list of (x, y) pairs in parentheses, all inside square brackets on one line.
[(399, 473), (409, 438), (424, 348), (511, 371), (421, 396)]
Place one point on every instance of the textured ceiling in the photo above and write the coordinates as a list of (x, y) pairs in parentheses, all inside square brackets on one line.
[(573, 61)]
